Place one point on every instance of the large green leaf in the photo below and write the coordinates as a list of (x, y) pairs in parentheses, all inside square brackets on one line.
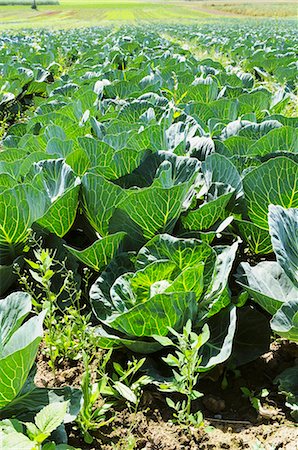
[(110, 163), (283, 226), (100, 198), (78, 161), (285, 321), (200, 147), (254, 102), (268, 285), (217, 296), (100, 253), (100, 290), (283, 139), (132, 288), (7, 181), (61, 147), (190, 279), (25, 169), (257, 238), (225, 108), (155, 315), (108, 340), (207, 214), (238, 145), (274, 182), (183, 252), (202, 90), (60, 216), (18, 346), (234, 128), (146, 212), (61, 189), (163, 169), (219, 169), (20, 304), (15, 221), (219, 346), (256, 131)]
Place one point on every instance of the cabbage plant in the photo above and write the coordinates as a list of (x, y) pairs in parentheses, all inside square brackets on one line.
[(170, 281), (274, 284)]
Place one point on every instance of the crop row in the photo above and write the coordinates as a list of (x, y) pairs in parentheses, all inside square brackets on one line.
[(174, 179)]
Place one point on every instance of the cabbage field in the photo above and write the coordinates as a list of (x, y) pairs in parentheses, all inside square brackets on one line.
[(149, 237)]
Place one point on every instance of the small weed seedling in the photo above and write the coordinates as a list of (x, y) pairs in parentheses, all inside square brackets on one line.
[(99, 397), (255, 399), (124, 384), (186, 362), (129, 442), (92, 415)]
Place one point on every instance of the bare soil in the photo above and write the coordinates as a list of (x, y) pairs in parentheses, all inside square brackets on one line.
[(230, 420)]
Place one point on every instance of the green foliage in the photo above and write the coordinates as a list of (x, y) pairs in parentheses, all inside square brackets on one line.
[(107, 391), (174, 280), (124, 384), (92, 415), (255, 399), (274, 182), (186, 368), (99, 254), (285, 321), (45, 422), (288, 386), (273, 285), (283, 225), (159, 177), (18, 344), (68, 333)]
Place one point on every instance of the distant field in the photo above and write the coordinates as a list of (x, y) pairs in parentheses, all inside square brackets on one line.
[(27, 2), (254, 8), (77, 13)]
